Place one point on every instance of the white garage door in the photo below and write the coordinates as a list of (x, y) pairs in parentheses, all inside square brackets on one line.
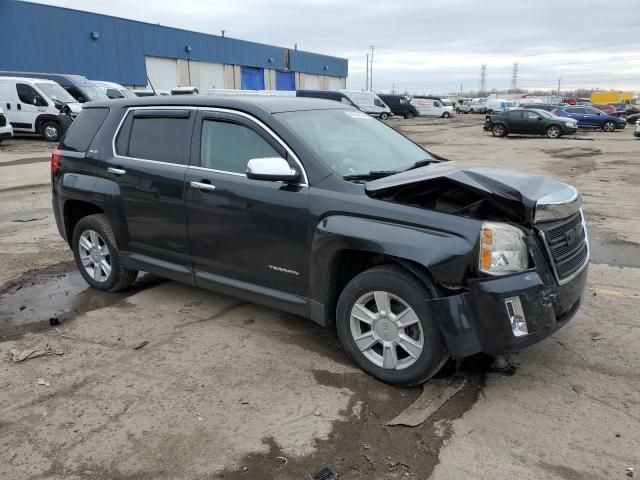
[(211, 75), (163, 72), (311, 82), (333, 83)]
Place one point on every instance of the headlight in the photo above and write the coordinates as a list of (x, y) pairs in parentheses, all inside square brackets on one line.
[(502, 249), (570, 124)]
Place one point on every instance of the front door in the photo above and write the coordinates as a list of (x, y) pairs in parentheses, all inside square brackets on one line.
[(152, 151), (533, 122), (30, 105), (245, 234)]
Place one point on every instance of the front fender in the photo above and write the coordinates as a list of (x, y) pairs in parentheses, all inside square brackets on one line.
[(448, 256)]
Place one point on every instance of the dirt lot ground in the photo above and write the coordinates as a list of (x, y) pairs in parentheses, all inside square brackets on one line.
[(227, 389)]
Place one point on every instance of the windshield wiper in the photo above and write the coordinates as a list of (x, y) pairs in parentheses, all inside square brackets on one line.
[(422, 163), (373, 174)]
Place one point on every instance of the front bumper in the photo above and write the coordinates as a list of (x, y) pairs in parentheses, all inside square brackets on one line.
[(477, 320)]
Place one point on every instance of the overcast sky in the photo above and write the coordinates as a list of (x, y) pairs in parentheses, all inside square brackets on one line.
[(427, 46)]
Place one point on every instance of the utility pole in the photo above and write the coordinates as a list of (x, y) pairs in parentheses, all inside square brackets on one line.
[(461, 90), (514, 77), (393, 88), (559, 86), (483, 79), (371, 74), (366, 87)]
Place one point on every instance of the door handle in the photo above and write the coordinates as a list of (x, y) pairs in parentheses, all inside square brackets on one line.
[(116, 171), (202, 186)]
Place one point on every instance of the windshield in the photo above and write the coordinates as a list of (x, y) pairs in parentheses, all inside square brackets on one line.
[(94, 93), (447, 103), (352, 142), (55, 92)]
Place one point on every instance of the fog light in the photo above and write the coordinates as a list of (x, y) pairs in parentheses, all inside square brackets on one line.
[(516, 317)]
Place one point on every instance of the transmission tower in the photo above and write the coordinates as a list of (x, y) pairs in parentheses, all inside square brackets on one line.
[(514, 77), (483, 79)]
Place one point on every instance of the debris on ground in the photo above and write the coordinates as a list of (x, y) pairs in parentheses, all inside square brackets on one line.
[(141, 345), (435, 394), (325, 473), (42, 381), (29, 218), (18, 356)]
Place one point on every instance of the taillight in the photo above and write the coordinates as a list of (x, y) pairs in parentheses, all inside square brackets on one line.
[(55, 160)]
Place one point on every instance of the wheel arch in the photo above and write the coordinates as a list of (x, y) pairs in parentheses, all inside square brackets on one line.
[(344, 247), (45, 117), (73, 211)]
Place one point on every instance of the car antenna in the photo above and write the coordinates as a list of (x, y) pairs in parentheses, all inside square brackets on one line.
[(151, 84)]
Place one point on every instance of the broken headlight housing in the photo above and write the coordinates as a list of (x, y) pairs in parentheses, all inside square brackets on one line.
[(502, 249)]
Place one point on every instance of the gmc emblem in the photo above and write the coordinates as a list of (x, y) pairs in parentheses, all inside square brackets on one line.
[(571, 236)]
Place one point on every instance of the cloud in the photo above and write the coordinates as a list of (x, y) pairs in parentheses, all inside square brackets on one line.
[(430, 46)]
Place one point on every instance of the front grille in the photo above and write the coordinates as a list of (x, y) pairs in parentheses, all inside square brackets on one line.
[(3, 121), (567, 245)]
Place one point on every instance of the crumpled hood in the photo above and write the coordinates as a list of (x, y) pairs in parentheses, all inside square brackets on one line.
[(75, 107), (520, 190)]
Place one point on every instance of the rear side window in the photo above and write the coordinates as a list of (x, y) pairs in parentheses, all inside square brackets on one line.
[(155, 137), (84, 129)]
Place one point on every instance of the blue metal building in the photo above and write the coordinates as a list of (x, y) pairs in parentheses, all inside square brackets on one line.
[(42, 38)]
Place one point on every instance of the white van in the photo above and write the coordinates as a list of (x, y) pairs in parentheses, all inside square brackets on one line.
[(495, 105), (6, 130), (369, 103), (35, 105), (432, 106), (114, 90)]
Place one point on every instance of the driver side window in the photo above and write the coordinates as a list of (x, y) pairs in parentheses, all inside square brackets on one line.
[(228, 146), (27, 94)]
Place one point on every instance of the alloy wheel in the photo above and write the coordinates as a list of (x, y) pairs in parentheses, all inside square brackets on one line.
[(609, 127), (51, 132), (386, 330), (553, 132), (95, 255), (498, 130)]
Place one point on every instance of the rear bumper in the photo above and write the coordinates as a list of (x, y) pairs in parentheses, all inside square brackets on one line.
[(477, 321)]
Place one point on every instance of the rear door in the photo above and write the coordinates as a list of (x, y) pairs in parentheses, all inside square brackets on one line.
[(246, 234), (151, 154)]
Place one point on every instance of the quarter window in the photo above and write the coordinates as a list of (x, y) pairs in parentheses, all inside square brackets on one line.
[(228, 146)]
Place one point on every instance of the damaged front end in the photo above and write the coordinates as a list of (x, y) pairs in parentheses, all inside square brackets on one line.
[(530, 295)]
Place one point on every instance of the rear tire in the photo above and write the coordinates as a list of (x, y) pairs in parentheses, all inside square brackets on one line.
[(409, 115), (51, 131), (401, 346), (97, 256)]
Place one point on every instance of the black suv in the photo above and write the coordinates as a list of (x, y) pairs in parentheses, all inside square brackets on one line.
[(400, 105), (316, 208)]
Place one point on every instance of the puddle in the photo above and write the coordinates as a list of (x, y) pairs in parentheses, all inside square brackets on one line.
[(52, 296)]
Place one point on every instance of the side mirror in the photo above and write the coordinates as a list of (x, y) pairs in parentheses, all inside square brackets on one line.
[(275, 169)]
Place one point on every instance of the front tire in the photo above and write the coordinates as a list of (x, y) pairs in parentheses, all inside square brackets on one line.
[(445, 115), (499, 130), (384, 116), (554, 131), (609, 126), (97, 256), (51, 131), (386, 328)]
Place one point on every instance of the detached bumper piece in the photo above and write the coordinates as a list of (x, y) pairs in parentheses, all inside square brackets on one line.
[(499, 315)]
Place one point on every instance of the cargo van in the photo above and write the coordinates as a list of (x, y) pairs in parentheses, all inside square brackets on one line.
[(78, 86), (399, 105), (495, 105), (432, 106), (369, 103), (36, 105)]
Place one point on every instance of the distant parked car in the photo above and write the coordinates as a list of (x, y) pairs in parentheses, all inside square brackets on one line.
[(6, 130), (636, 131), (399, 105), (632, 119), (590, 117), (79, 87), (529, 121), (369, 103), (184, 91), (114, 90), (540, 106), (150, 93)]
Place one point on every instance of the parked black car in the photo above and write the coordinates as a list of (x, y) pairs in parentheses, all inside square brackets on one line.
[(399, 105), (318, 209), (529, 121)]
